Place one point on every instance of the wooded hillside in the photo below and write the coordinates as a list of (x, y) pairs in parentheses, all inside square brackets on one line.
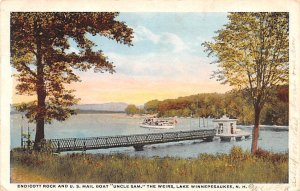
[(215, 105)]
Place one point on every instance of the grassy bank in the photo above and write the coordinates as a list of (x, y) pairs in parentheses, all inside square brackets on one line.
[(236, 167), (22, 174)]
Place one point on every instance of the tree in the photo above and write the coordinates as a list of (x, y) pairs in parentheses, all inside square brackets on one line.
[(276, 111), (152, 106), (132, 109), (40, 54), (252, 53)]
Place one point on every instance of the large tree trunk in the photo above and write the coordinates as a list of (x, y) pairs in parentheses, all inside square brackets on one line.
[(255, 133), (41, 93), (40, 117)]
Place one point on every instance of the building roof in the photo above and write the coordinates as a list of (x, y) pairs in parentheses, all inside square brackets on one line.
[(224, 119)]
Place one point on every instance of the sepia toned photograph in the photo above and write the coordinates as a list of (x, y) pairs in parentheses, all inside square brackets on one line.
[(149, 100)]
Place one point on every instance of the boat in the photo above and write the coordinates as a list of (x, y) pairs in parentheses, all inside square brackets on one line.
[(226, 129), (158, 123)]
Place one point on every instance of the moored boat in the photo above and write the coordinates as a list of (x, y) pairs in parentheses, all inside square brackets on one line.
[(158, 123)]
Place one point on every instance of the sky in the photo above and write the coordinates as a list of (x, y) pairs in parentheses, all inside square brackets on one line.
[(166, 60)]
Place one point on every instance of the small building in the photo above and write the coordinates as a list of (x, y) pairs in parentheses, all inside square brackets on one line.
[(226, 129), (225, 125)]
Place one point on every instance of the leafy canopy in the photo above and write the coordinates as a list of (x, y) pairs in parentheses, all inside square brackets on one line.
[(252, 53), (40, 53)]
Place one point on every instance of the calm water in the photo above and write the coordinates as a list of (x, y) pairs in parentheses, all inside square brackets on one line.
[(91, 125)]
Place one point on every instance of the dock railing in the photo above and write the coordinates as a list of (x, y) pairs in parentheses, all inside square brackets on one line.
[(135, 140)]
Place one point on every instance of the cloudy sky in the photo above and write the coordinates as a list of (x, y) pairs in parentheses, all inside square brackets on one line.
[(165, 61)]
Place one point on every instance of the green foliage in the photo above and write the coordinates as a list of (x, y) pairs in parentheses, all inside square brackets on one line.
[(231, 103), (237, 167), (201, 105), (152, 106), (132, 109), (252, 52)]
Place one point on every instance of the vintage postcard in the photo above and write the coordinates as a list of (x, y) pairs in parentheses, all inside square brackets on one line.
[(150, 95)]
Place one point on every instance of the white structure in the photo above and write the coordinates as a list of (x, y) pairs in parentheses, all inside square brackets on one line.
[(226, 129), (225, 125)]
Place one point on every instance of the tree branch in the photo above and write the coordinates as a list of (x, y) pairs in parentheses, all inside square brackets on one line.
[(28, 69), (33, 52)]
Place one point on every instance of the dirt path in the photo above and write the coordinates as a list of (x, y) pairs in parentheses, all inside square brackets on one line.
[(22, 175)]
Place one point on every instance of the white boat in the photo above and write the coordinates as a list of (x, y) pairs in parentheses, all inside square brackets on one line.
[(158, 123)]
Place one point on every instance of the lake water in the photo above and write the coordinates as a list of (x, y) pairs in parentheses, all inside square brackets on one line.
[(92, 125)]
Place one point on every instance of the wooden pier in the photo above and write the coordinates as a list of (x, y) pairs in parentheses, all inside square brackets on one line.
[(135, 140)]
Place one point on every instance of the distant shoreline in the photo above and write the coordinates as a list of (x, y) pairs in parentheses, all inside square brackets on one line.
[(262, 126), (84, 112), (97, 111)]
